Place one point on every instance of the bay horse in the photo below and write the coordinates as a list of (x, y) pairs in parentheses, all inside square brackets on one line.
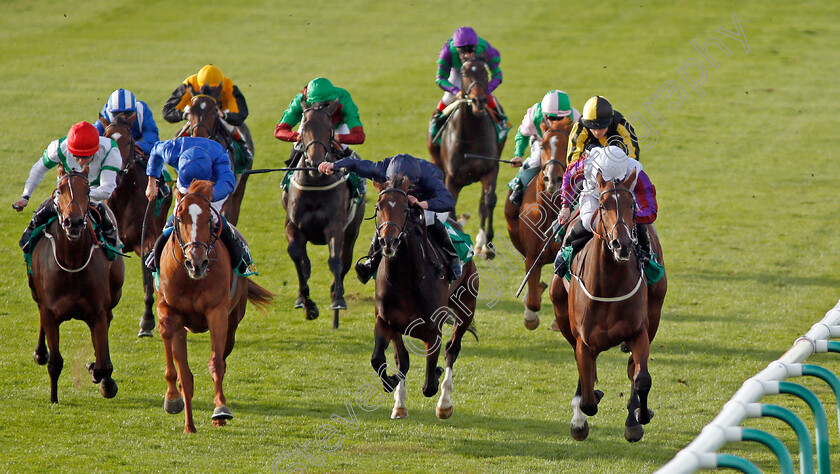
[(138, 222), (71, 278), (319, 209), (470, 129), (529, 226), (198, 291), (609, 303), (204, 122), (412, 301)]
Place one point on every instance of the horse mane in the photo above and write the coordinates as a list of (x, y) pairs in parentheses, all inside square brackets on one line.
[(200, 186), (399, 181)]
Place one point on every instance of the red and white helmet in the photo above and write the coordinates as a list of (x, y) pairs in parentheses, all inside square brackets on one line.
[(83, 139)]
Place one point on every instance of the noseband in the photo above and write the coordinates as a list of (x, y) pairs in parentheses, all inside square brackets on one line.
[(327, 146), (206, 246)]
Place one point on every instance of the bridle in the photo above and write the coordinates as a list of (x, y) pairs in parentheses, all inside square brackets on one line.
[(133, 157), (328, 154), (71, 174), (386, 224), (200, 116), (206, 246), (481, 101), (614, 192)]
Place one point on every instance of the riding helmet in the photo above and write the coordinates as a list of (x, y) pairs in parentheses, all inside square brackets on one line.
[(210, 75), (556, 105), (320, 90), (405, 165), (121, 100), (597, 113), (464, 36), (83, 139)]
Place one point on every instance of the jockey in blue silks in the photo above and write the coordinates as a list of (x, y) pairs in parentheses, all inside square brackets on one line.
[(426, 190), (195, 158), (143, 128)]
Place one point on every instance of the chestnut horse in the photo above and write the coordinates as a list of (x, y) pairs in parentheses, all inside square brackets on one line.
[(204, 122), (198, 291), (138, 222), (529, 226), (608, 303), (469, 129), (412, 301), (320, 210), (71, 278)]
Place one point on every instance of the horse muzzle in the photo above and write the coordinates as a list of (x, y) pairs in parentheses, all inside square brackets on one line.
[(389, 246), (196, 267), (74, 228)]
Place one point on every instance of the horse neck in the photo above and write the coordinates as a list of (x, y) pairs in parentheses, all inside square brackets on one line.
[(410, 255), (605, 274), (72, 254), (468, 120)]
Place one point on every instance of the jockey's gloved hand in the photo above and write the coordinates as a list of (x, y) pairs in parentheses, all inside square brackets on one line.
[(516, 162), (222, 114), (20, 203), (564, 215)]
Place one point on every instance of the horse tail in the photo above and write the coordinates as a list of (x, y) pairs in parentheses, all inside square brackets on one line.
[(259, 295)]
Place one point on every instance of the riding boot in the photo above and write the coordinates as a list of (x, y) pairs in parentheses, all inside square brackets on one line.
[(516, 191), (438, 232), (645, 252), (365, 269), (577, 238), (153, 260), (294, 157), (232, 242), (435, 123), (107, 229), (40, 217)]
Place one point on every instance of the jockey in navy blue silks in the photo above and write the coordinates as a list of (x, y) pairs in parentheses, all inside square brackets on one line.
[(143, 128), (427, 191), (195, 158)]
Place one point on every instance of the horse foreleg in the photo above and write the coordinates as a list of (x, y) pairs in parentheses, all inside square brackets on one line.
[(56, 362), (218, 325), (401, 356), (336, 243), (586, 371), (560, 301), (485, 209), (185, 376), (533, 295), (579, 426), (638, 412), (101, 370), (173, 403), (41, 354), (147, 321), (381, 339), (444, 407), (297, 252), (433, 372)]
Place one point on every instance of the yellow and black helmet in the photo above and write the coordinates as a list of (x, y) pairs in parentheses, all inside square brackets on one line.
[(597, 113)]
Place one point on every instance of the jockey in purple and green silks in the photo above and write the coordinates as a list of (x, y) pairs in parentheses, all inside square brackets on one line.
[(555, 111), (463, 45)]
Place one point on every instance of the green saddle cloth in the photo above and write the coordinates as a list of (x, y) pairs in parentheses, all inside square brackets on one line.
[(463, 243), (111, 252), (653, 270), (241, 158)]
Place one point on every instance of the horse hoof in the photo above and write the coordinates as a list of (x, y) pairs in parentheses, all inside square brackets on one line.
[(579, 433), (444, 413), (533, 323), (554, 327), (638, 415), (145, 333), (339, 304), (91, 368), (222, 413), (488, 253), (633, 433), (299, 302), (312, 310), (399, 413), (108, 388), (146, 326), (41, 359), (174, 406)]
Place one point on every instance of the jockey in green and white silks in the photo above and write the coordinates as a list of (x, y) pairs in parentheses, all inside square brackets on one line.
[(554, 110), (81, 147)]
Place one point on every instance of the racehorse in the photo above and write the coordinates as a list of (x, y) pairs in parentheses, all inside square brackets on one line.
[(470, 130), (609, 303), (529, 226), (204, 122), (320, 209), (198, 292), (411, 300), (138, 224), (71, 278)]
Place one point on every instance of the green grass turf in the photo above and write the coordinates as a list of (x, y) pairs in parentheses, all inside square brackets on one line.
[(746, 180)]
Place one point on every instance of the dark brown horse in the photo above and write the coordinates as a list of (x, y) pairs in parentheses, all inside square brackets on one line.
[(72, 278), (607, 303), (198, 292), (412, 301), (319, 209), (204, 122), (139, 223), (529, 226), (470, 129)]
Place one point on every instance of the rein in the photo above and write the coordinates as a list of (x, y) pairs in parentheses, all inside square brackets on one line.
[(68, 176)]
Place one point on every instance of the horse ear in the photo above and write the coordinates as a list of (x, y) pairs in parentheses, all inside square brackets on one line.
[(333, 107), (86, 170), (177, 192), (601, 182), (61, 170), (104, 121), (630, 179), (304, 104)]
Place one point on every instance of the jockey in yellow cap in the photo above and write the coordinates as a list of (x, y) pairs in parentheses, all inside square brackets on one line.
[(209, 81)]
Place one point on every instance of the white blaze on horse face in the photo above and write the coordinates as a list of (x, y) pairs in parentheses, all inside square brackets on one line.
[(554, 143), (195, 211), (392, 204), (203, 105)]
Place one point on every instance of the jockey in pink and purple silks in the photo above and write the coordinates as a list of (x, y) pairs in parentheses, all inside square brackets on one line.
[(463, 46)]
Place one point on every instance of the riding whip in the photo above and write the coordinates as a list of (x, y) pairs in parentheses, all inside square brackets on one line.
[(555, 228), (482, 157), (269, 170)]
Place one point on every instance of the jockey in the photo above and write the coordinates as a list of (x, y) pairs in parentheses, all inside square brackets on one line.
[(554, 111), (427, 191), (81, 147), (195, 158), (345, 120), (612, 163), (209, 81), (143, 128), (601, 126), (463, 45)]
